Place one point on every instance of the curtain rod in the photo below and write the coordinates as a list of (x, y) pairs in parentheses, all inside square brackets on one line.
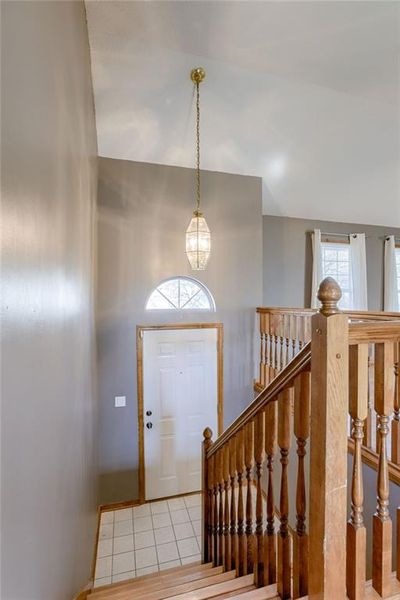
[(328, 233)]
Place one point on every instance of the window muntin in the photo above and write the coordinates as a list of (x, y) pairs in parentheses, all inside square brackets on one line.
[(397, 253), (336, 263), (181, 293)]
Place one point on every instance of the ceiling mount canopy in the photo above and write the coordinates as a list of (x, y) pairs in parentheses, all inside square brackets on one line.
[(198, 237)]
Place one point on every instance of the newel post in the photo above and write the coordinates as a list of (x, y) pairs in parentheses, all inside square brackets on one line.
[(328, 448), (206, 497)]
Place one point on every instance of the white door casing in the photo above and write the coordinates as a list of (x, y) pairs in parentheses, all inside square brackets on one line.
[(180, 390)]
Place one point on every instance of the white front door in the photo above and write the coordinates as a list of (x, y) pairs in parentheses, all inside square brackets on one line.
[(180, 399)]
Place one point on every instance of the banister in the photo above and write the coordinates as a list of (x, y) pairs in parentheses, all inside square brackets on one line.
[(355, 314), (378, 331), (270, 393)]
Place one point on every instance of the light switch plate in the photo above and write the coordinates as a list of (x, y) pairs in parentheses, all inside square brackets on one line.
[(120, 401)]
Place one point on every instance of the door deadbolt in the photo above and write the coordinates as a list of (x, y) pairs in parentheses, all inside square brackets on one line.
[(148, 413), (149, 425)]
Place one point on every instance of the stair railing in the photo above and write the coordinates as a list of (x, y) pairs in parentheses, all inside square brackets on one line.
[(248, 474)]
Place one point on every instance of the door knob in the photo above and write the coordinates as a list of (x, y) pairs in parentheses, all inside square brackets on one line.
[(149, 425), (148, 413)]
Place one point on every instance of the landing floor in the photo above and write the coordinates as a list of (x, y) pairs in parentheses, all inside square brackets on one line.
[(148, 538)]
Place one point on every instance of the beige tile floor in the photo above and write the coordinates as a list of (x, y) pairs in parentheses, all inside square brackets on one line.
[(148, 538)]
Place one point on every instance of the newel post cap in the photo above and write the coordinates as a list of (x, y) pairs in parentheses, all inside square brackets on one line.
[(207, 433), (329, 294)]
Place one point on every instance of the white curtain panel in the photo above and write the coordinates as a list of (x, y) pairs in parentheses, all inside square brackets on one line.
[(391, 300), (358, 261), (317, 267)]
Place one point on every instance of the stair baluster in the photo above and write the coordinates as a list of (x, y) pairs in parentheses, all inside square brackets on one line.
[(302, 400), (227, 539), (207, 497), (241, 563), (382, 524), (269, 534), (285, 401), (356, 532), (232, 510), (259, 453), (249, 461)]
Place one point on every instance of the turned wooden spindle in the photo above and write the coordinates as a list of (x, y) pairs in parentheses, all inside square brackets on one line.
[(356, 532), (269, 534), (293, 329), (220, 477), (287, 335), (281, 342), (206, 497), (233, 513), (227, 544), (328, 446), (262, 349), (271, 359), (216, 516), (276, 340), (284, 548), (302, 400), (382, 525), (367, 441), (240, 466), (249, 462), (213, 510), (395, 452), (300, 331), (259, 453), (398, 544)]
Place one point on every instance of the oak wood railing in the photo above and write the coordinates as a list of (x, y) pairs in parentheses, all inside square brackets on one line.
[(318, 386), (284, 331)]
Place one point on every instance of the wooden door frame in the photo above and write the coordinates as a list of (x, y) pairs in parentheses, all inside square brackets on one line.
[(140, 329)]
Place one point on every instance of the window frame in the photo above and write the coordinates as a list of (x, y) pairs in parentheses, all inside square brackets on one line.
[(202, 287), (338, 244), (397, 257)]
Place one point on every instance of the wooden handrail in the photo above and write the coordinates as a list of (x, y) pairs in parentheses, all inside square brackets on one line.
[(300, 362), (375, 332), (356, 314)]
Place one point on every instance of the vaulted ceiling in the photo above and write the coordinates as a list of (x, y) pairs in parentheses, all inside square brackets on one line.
[(305, 95)]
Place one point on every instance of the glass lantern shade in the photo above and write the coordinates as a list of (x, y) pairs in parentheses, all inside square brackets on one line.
[(198, 242)]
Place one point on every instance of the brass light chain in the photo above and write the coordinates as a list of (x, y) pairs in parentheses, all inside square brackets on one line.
[(198, 143)]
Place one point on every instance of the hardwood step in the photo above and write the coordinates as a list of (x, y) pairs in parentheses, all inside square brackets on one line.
[(195, 570), (371, 594), (216, 590), (234, 594), (268, 592), (175, 588)]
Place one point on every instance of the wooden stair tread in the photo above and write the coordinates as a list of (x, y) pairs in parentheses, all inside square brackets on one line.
[(174, 589), (371, 594), (268, 592), (235, 594), (195, 570), (213, 591), (157, 581)]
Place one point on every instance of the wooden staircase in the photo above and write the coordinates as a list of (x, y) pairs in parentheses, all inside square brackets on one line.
[(291, 443), (189, 582)]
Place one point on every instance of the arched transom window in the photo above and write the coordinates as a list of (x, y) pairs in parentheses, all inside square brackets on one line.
[(181, 293)]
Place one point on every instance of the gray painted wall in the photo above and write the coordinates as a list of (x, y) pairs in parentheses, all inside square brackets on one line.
[(144, 210), (287, 259), (49, 416)]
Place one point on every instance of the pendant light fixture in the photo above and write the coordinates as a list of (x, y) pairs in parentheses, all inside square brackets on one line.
[(198, 238)]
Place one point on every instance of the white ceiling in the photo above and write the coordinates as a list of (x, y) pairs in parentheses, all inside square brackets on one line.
[(305, 95)]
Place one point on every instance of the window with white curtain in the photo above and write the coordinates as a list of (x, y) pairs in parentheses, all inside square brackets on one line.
[(398, 272), (336, 263)]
